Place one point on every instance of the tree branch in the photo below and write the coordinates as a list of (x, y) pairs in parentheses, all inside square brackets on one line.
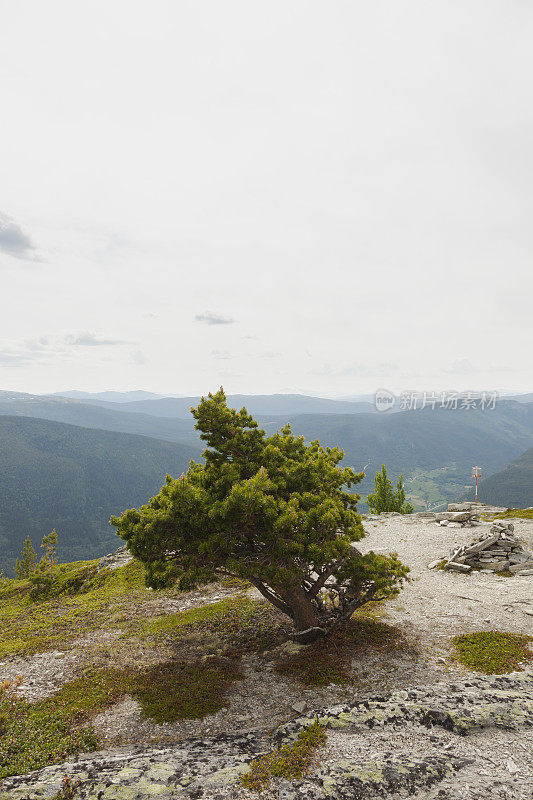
[(270, 596), (351, 607), (321, 580)]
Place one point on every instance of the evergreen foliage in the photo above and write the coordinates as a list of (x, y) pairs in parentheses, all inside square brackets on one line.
[(385, 498), (272, 510), (27, 562), (49, 544)]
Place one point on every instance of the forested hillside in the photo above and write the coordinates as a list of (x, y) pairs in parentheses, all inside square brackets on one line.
[(89, 415), (57, 475), (512, 487), (73, 479), (434, 449)]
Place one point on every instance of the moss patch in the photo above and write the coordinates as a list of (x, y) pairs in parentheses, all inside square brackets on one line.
[(289, 761), (328, 660), (521, 513), (493, 651)]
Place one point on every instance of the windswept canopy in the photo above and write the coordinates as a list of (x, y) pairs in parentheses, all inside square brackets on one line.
[(272, 509)]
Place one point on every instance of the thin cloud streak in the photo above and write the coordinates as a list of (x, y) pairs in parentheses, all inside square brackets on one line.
[(213, 319), (87, 339)]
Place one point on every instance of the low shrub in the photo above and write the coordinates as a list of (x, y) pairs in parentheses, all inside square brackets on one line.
[(36, 736), (493, 651), (173, 691), (77, 601), (33, 735), (289, 761)]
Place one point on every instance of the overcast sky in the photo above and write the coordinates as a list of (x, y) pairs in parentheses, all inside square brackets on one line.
[(281, 196)]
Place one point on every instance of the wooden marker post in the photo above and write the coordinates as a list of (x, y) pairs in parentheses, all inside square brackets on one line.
[(476, 473)]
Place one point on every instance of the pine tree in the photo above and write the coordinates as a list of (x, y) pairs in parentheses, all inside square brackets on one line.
[(49, 544), (385, 498), (273, 510), (26, 564)]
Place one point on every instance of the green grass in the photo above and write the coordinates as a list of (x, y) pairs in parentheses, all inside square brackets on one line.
[(520, 513), (79, 601), (493, 652), (328, 660), (241, 624), (289, 761)]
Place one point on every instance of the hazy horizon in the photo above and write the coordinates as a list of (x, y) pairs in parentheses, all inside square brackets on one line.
[(363, 397)]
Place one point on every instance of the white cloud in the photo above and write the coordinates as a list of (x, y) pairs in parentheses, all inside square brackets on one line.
[(87, 339), (14, 241), (213, 319)]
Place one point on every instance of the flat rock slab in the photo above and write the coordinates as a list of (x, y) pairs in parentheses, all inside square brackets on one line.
[(349, 780), (503, 701), (200, 766)]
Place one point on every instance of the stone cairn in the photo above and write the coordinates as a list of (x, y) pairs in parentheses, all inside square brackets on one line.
[(498, 551), (459, 515)]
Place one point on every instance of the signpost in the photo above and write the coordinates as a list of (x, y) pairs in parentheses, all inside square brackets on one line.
[(476, 473)]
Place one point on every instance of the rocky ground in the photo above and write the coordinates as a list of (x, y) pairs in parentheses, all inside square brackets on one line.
[(453, 740), (492, 762)]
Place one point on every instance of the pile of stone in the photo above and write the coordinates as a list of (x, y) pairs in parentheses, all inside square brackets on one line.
[(498, 551), (459, 515)]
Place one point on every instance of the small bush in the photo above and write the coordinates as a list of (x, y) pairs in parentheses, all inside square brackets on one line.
[(289, 761), (493, 651), (173, 691), (69, 789)]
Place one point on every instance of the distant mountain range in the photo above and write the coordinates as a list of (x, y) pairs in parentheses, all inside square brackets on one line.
[(70, 463), (258, 405), (113, 397), (511, 487), (435, 449), (103, 416), (73, 479)]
